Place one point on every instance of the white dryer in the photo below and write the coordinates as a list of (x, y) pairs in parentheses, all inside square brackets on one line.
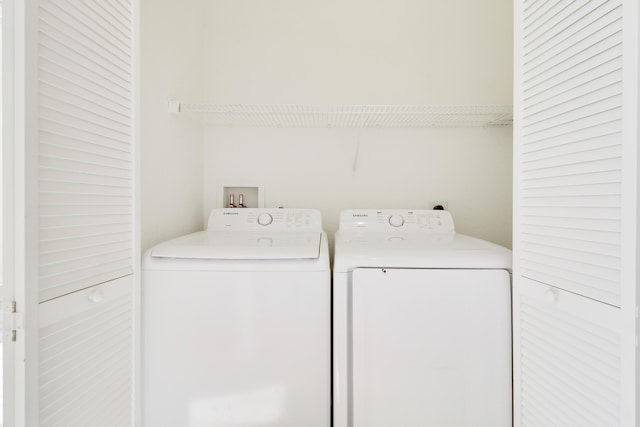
[(236, 323), (421, 323)]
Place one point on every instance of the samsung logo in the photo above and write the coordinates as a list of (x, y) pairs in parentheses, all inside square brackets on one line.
[(230, 213)]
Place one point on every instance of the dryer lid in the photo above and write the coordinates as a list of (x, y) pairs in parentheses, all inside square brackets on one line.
[(396, 238), (233, 245), (419, 250)]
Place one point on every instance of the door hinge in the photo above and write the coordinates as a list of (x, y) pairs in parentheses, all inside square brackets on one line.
[(12, 320)]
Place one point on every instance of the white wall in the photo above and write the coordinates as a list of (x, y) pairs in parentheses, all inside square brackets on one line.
[(171, 63), (362, 52), (359, 51), (397, 168)]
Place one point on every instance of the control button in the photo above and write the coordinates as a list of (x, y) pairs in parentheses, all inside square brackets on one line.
[(396, 221), (265, 242), (265, 219)]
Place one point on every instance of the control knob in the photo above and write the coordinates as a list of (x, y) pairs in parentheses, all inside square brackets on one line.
[(396, 221), (265, 219)]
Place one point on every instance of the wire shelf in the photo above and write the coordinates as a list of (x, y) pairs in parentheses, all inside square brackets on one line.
[(348, 116)]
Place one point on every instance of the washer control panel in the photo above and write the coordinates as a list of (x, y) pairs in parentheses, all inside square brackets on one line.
[(265, 219), (397, 220)]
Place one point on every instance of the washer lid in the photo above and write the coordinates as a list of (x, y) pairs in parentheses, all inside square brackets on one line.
[(239, 245)]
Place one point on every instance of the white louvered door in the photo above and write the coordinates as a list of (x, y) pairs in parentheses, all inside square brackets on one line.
[(85, 144), (77, 105), (570, 361), (575, 204), (85, 354), (570, 147)]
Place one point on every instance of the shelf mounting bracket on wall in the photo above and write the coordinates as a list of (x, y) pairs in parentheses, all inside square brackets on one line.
[(173, 106)]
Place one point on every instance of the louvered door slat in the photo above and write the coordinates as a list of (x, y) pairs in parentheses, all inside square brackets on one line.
[(84, 152), (549, 21), (563, 126), (607, 56), (85, 121), (113, 68), (61, 80), (54, 88), (599, 31), (63, 103), (553, 58), (606, 74), (76, 15), (73, 73)]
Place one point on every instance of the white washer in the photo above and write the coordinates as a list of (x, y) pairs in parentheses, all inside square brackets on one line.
[(421, 323), (236, 327)]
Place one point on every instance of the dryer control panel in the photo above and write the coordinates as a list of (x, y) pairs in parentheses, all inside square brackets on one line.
[(397, 220), (265, 219)]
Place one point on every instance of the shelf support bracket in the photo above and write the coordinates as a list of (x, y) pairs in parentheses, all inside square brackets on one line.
[(173, 106)]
